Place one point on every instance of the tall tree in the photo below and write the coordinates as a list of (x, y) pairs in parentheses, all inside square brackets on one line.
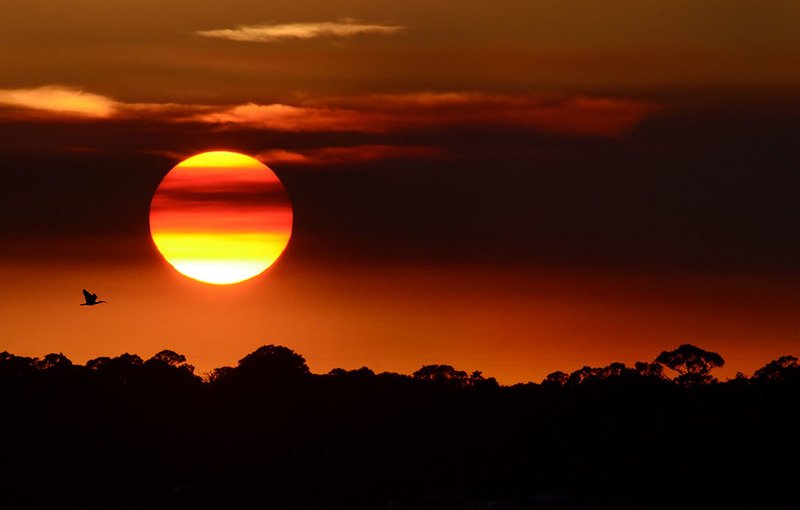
[(692, 363)]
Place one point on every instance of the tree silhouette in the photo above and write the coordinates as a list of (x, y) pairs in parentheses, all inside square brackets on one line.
[(12, 366), (275, 359), (362, 373), (123, 369), (268, 433), (168, 371), (780, 369), (477, 380), (441, 373), (615, 369), (266, 366), (123, 362), (221, 376), (167, 359), (692, 363), (649, 370), (583, 375), (557, 378), (53, 361)]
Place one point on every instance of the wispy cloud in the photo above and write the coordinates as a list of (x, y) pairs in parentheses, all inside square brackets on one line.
[(283, 117), (282, 31), (567, 115), (64, 101), (563, 115), (349, 154), (60, 100)]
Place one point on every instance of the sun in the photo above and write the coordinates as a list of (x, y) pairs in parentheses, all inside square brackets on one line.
[(221, 217)]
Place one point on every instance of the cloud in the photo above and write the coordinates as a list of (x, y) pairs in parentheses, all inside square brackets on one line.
[(282, 117), (161, 110), (350, 154), (563, 115), (60, 100), (64, 101), (277, 32), (419, 112)]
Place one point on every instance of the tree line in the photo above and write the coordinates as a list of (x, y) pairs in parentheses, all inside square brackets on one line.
[(125, 432), (690, 365)]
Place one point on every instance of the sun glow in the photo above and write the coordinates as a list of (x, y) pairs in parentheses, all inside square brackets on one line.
[(221, 217)]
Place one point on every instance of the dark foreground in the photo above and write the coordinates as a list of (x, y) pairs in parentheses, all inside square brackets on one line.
[(123, 433)]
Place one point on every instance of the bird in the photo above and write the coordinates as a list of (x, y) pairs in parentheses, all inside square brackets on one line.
[(91, 299)]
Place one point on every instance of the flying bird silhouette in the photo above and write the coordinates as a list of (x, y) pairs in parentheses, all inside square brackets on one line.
[(91, 299)]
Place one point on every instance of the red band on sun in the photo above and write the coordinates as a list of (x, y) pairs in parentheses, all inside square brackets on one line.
[(221, 217)]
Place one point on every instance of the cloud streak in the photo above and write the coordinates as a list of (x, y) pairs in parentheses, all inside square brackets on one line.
[(284, 31), (562, 115), (349, 154), (65, 101), (420, 112)]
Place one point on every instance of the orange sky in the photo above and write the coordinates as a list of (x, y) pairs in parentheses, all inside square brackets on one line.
[(514, 324), (521, 187), (153, 51)]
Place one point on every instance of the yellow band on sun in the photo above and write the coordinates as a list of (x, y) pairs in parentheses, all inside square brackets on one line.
[(205, 256), (222, 159)]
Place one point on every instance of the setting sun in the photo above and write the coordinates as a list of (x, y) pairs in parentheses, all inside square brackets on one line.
[(221, 217)]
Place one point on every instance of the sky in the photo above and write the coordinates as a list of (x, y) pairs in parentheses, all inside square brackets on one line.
[(520, 188)]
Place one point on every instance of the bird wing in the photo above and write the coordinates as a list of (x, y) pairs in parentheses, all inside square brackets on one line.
[(89, 297)]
